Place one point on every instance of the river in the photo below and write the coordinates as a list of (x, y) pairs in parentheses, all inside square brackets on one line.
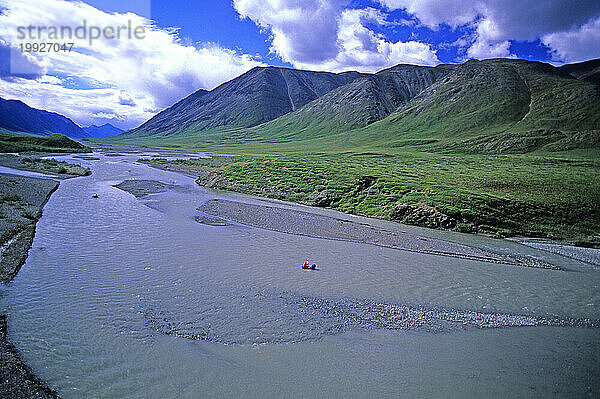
[(125, 297)]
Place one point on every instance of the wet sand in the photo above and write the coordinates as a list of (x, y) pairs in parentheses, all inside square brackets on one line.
[(319, 226)]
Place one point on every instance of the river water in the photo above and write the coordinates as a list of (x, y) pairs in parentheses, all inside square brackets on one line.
[(125, 297)]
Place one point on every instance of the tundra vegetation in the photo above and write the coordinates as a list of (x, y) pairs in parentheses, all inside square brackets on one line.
[(506, 147), (54, 166), (54, 143), (539, 196)]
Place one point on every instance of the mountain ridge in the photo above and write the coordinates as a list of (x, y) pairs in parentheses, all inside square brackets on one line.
[(16, 116), (257, 96), (102, 130), (439, 106)]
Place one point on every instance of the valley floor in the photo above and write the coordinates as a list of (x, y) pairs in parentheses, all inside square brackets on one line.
[(21, 202), (22, 199), (554, 196)]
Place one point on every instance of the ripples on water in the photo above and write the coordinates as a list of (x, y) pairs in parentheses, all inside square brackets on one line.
[(113, 283), (264, 318)]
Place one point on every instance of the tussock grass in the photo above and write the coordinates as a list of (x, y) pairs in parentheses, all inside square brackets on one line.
[(511, 195)]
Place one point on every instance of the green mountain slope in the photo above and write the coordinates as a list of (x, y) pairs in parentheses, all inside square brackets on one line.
[(356, 104), (260, 95), (482, 98), (493, 106)]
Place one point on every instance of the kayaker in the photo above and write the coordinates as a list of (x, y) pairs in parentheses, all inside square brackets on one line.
[(305, 265)]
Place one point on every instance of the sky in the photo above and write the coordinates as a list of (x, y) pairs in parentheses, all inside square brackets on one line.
[(181, 46)]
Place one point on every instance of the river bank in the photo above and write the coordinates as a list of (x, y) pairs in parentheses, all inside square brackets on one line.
[(216, 173), (52, 167), (21, 202), (313, 225), (500, 196), (222, 212), (22, 199)]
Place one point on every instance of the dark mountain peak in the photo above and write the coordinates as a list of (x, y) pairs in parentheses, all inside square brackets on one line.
[(17, 116), (102, 130), (255, 97)]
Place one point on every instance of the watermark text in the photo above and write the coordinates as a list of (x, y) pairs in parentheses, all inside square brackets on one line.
[(82, 32)]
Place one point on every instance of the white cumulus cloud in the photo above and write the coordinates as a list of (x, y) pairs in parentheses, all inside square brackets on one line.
[(576, 45), (497, 21), (324, 35), (132, 78)]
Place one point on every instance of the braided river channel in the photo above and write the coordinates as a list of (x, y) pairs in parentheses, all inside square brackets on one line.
[(158, 295)]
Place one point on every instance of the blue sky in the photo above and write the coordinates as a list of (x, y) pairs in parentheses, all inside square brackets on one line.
[(190, 45), (219, 22), (216, 22)]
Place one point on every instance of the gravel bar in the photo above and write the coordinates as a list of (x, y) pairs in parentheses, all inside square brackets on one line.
[(319, 226)]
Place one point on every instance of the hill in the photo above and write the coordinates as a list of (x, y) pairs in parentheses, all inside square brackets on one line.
[(51, 143), (533, 105), (588, 70), (260, 95), (357, 104), (102, 130), (495, 106), (16, 116)]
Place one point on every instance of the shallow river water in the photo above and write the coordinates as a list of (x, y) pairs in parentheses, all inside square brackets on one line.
[(125, 297)]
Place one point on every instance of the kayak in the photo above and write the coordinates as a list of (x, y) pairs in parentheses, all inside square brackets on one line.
[(313, 267)]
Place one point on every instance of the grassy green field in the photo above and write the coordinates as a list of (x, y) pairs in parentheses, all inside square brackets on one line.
[(544, 195), (54, 166), (30, 144)]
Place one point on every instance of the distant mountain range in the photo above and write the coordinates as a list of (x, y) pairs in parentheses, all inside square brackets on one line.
[(102, 130), (491, 106), (496, 105), (18, 117)]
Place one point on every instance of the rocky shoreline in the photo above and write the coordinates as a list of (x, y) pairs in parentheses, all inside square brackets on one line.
[(16, 378)]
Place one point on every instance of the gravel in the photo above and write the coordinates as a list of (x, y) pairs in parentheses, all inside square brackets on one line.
[(319, 226), (140, 188), (22, 201)]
